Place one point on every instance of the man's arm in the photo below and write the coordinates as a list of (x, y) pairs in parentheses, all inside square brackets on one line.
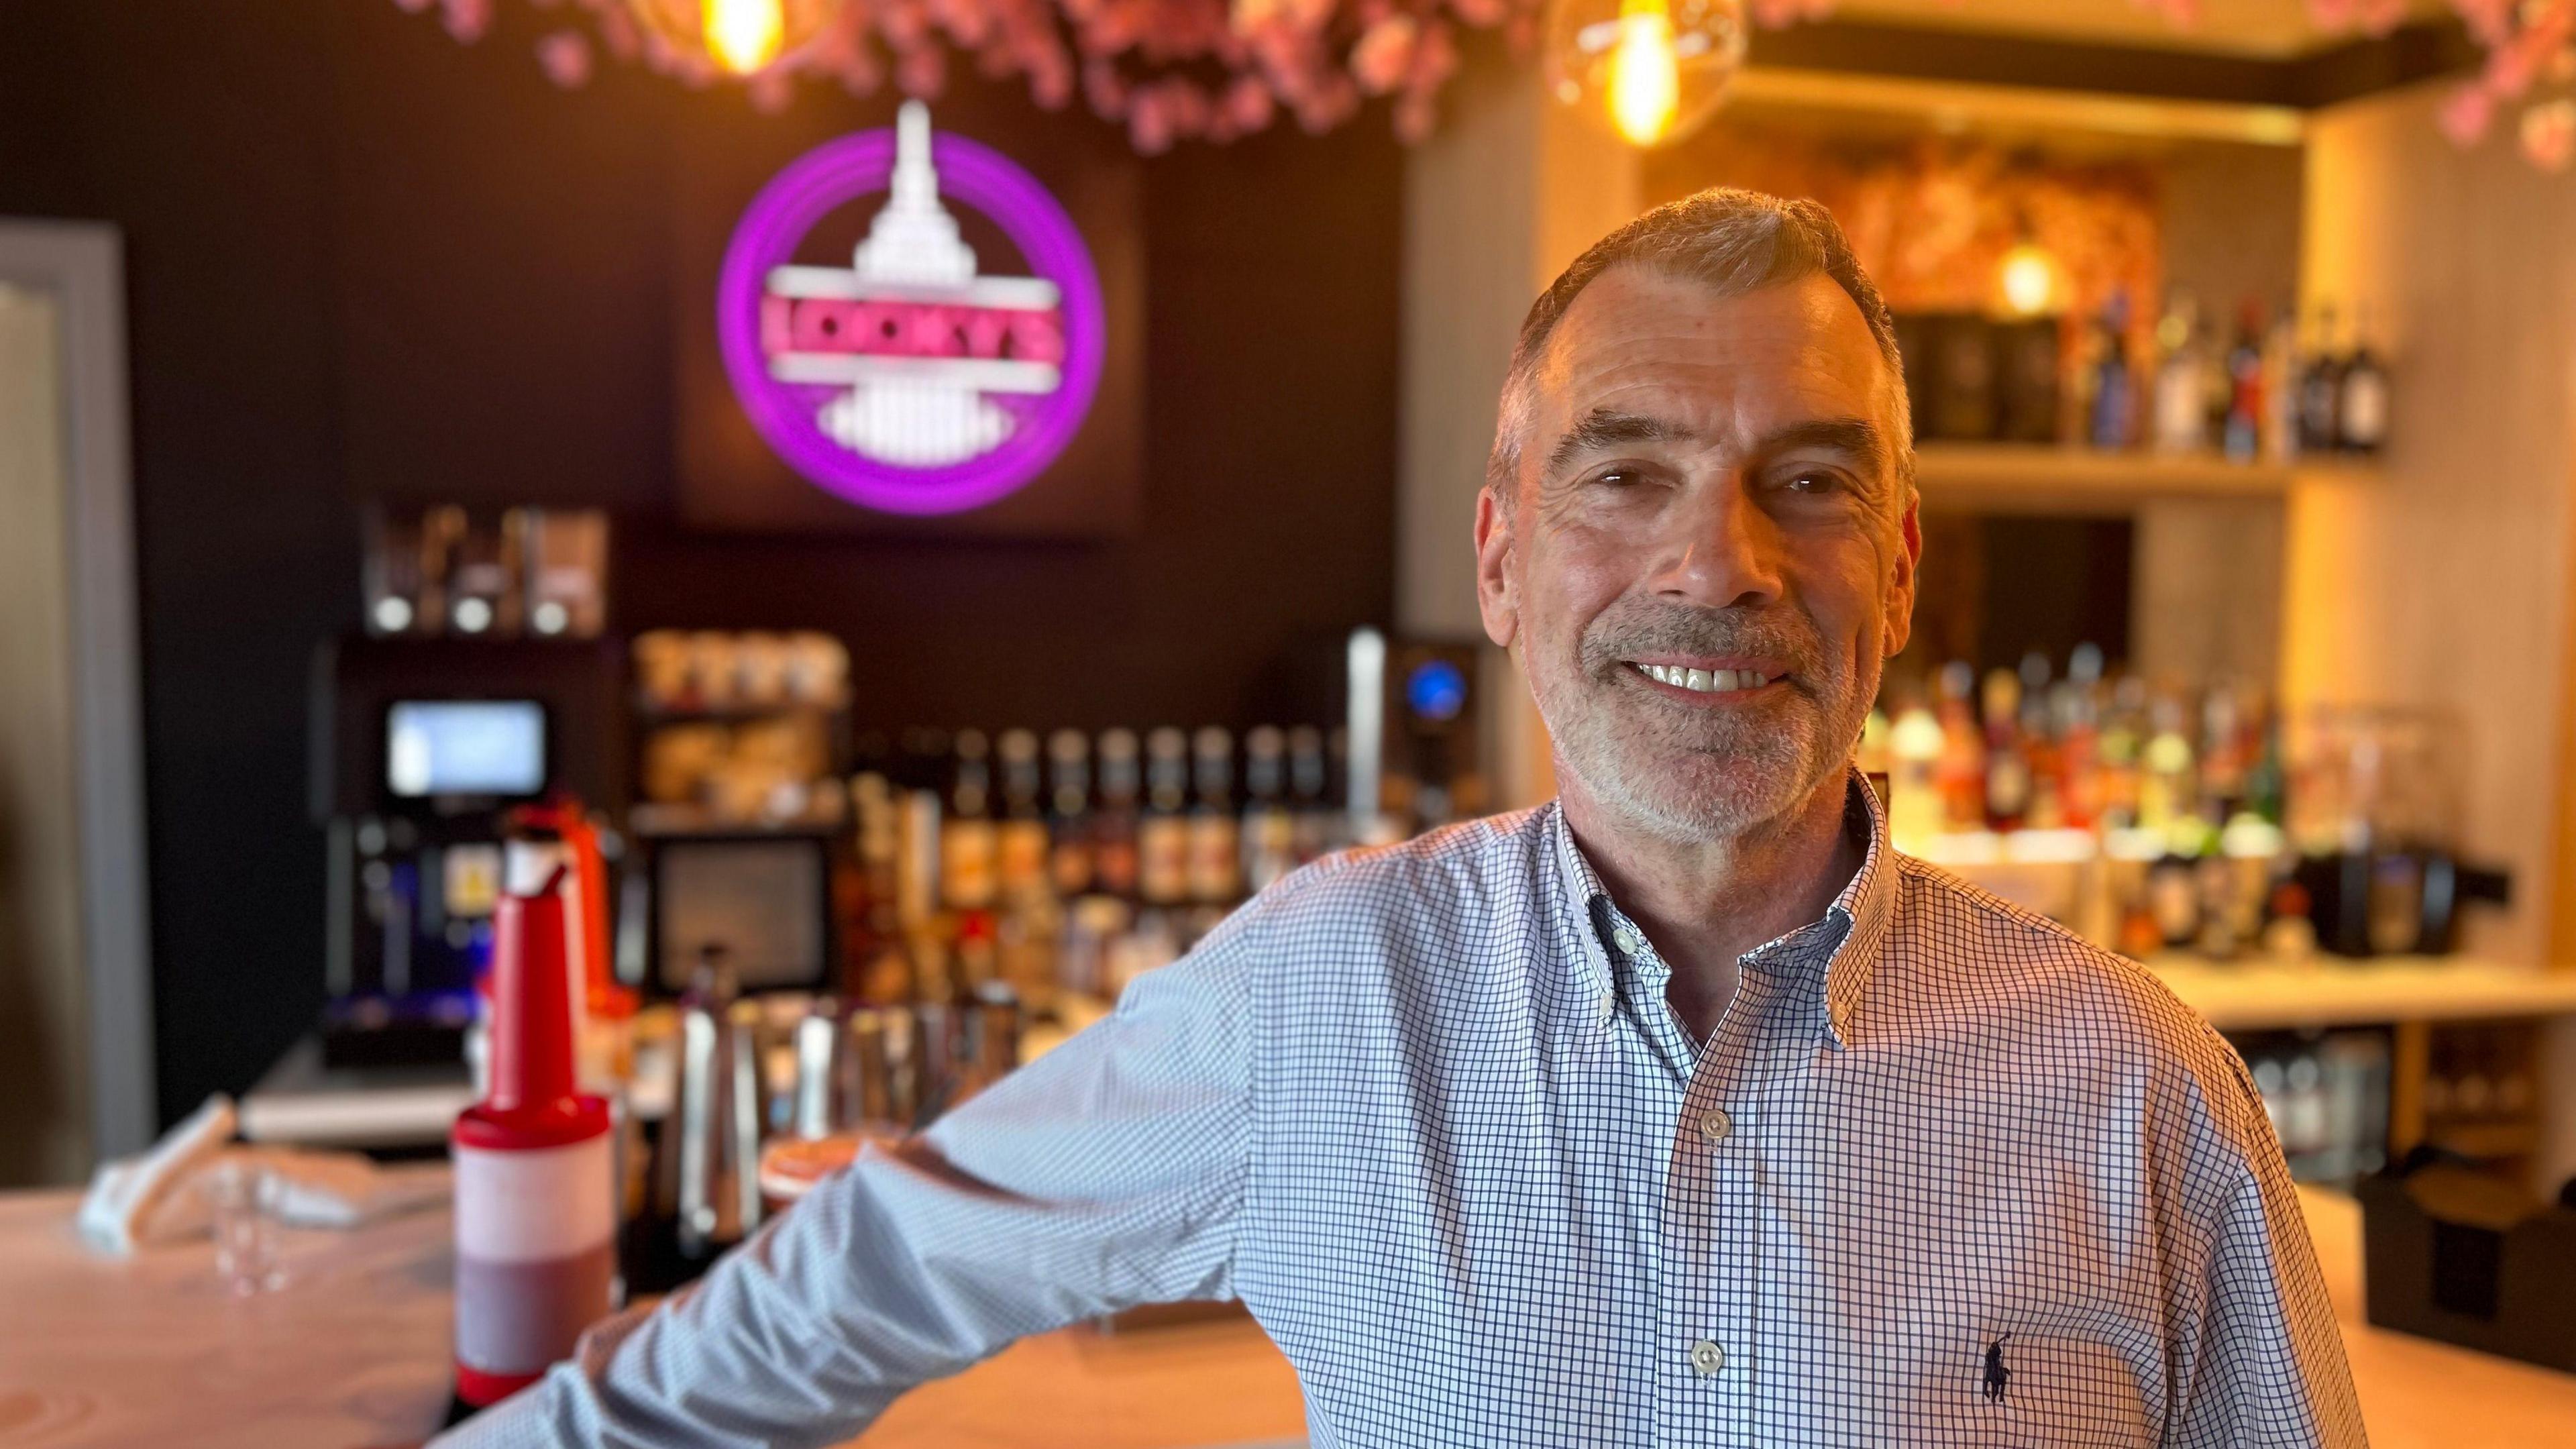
[(1105, 1174), (2260, 1358)]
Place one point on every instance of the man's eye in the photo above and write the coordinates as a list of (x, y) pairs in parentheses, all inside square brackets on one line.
[(1616, 477), (1814, 481)]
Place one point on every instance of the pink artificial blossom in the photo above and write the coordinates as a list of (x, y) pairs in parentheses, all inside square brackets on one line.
[(2464, 117), (1384, 54), (468, 19), (2549, 134), (565, 58)]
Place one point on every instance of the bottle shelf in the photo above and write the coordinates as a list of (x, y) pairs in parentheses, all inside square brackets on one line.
[(2260, 995), (2087, 479)]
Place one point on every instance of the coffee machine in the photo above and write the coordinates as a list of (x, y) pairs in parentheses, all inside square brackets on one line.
[(421, 746)]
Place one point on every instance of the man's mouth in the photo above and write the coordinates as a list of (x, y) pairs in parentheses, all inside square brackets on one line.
[(1739, 679)]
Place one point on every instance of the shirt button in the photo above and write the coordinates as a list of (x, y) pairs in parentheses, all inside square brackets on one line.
[(1627, 941), (1715, 1125), (1708, 1358)]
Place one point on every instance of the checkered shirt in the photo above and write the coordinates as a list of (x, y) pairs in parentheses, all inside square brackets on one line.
[(1944, 1174)]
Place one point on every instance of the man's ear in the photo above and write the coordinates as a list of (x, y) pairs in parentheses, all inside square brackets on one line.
[(1900, 588), (1496, 598)]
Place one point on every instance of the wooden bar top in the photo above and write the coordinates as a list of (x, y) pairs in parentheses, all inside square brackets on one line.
[(353, 1353)]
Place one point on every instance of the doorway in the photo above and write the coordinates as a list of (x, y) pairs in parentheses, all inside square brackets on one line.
[(75, 1021)]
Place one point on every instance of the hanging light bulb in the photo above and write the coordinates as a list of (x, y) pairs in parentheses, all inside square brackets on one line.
[(1651, 71), (739, 37), (744, 35)]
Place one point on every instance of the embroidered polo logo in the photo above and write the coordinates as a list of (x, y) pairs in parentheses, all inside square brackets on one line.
[(1997, 1376)]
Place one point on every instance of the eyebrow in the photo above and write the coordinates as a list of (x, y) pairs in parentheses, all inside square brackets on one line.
[(1858, 437), (1603, 429)]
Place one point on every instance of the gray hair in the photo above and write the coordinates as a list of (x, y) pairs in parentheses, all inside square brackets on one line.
[(1735, 241)]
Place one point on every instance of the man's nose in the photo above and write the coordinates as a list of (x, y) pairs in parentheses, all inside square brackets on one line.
[(1721, 549)]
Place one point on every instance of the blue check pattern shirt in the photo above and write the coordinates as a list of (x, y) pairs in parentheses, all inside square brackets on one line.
[(1944, 1174)]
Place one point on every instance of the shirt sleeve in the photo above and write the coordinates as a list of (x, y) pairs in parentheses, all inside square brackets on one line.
[(2259, 1360), (1108, 1173)]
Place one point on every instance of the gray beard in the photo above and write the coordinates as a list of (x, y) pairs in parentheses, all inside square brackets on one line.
[(1694, 775)]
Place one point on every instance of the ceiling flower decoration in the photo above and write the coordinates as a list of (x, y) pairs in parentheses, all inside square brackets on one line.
[(1213, 70)]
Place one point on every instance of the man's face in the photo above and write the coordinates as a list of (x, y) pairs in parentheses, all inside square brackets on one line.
[(1708, 555)]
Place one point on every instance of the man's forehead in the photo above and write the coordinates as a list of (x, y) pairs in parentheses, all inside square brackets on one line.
[(1638, 328)]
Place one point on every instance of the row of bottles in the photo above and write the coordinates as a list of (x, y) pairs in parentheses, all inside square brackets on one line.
[(2327, 1094), (1067, 864), (2258, 391), (2021, 749), (2170, 803)]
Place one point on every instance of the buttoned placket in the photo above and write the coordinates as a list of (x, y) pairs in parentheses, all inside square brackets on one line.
[(1705, 1353), (1710, 1355)]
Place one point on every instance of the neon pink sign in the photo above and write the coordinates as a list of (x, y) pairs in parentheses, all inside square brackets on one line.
[(910, 381)]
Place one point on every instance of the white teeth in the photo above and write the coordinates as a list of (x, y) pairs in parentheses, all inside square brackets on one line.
[(1704, 681)]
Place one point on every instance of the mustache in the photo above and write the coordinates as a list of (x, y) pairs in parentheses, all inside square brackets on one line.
[(1640, 627)]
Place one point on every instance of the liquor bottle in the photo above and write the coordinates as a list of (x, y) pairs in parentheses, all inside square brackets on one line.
[(2224, 757), (2165, 777), (2280, 418), (1216, 841), (1114, 826), (2123, 751), (1915, 810), (2040, 748), (2321, 389), (2242, 439), (1314, 820), (1871, 758), (2361, 419), (1962, 771), (1024, 844), (919, 770), (1269, 830), (968, 841), (2175, 896), (2076, 703), (2181, 407), (2114, 420), (1163, 834), (1069, 841), (2007, 766)]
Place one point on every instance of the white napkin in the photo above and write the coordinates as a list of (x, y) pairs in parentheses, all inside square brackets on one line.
[(127, 1192), (136, 1201)]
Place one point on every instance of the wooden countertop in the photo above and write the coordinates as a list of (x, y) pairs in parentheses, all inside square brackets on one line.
[(354, 1353)]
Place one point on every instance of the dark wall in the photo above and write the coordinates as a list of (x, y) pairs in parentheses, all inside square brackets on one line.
[(364, 261)]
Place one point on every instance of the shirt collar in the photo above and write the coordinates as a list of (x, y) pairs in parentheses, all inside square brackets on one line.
[(1856, 922)]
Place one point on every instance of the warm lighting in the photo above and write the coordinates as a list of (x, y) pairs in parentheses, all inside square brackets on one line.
[(1645, 78), (1648, 71), (734, 37), (2029, 277), (744, 35)]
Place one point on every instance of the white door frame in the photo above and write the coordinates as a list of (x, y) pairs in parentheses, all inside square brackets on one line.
[(81, 265)]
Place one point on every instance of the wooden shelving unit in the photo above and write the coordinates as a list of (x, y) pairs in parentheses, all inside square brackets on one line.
[(2263, 996), (2044, 477)]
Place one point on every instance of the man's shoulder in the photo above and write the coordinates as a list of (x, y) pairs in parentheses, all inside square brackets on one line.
[(1967, 949)]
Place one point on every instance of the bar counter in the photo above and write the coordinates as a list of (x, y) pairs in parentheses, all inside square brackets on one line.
[(353, 1353)]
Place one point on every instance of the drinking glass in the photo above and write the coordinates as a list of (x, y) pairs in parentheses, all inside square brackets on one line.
[(245, 1198)]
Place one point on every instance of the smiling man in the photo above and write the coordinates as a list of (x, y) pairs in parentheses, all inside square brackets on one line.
[(1682, 1111)]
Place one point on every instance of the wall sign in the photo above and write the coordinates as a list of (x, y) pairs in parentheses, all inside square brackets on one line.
[(910, 381)]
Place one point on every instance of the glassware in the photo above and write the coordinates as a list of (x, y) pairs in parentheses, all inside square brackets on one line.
[(245, 1199)]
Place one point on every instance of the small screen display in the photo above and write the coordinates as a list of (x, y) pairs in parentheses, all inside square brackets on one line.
[(466, 747)]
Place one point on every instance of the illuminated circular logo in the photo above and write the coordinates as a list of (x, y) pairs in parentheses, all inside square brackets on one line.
[(910, 381)]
